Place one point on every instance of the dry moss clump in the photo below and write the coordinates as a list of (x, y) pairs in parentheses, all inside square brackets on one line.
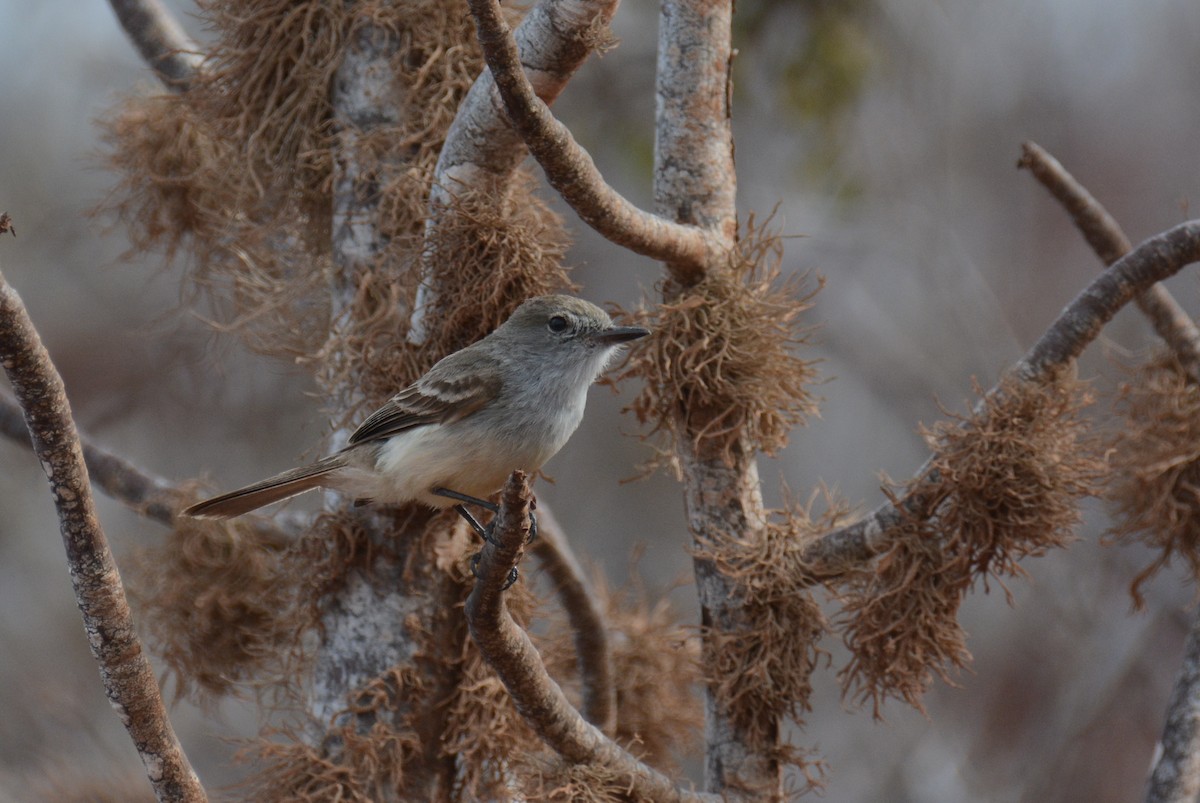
[(718, 364), (219, 599), (1003, 484), (1155, 490), (764, 670), (362, 759)]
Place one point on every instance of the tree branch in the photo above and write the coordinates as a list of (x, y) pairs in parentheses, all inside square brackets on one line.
[(128, 677), (586, 619), (153, 497), (508, 650), (1158, 258), (1105, 237), (161, 41), (569, 168), (482, 149), (1176, 776)]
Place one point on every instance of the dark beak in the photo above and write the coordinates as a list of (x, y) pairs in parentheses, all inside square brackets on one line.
[(619, 334)]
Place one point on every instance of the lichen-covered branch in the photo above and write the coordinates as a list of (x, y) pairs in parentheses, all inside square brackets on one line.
[(569, 168), (129, 680), (1105, 237), (585, 618), (1176, 776), (1154, 260), (509, 651), (160, 40)]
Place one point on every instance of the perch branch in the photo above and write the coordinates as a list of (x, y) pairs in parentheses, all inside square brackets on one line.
[(125, 670), (586, 620), (161, 41), (508, 650), (1105, 237), (570, 169), (1158, 258), (1176, 776)]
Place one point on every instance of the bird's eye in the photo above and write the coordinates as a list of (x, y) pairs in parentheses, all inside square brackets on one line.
[(557, 324)]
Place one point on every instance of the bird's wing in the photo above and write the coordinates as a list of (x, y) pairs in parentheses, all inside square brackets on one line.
[(453, 389)]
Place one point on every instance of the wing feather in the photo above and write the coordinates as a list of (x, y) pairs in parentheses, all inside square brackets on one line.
[(456, 387)]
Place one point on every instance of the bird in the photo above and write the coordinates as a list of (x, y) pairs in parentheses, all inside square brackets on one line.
[(508, 401)]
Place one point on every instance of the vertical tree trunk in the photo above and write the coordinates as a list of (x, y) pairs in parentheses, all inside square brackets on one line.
[(695, 182)]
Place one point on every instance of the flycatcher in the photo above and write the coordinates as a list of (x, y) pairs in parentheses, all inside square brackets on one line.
[(509, 401)]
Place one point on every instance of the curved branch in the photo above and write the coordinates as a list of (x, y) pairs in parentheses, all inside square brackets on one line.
[(1158, 258), (1176, 776), (571, 171), (125, 670), (1105, 237), (161, 41), (482, 149), (508, 650), (587, 621)]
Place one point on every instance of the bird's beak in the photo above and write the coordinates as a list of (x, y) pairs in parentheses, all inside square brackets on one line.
[(619, 334)]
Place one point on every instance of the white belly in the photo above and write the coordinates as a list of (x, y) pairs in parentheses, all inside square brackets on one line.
[(473, 456)]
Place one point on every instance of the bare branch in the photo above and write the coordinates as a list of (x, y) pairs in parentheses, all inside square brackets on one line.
[(586, 620), (569, 168), (1158, 258), (128, 677), (1105, 237), (508, 650), (161, 41), (153, 497), (1176, 776)]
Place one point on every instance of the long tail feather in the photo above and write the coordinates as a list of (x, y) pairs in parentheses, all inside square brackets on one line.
[(273, 489)]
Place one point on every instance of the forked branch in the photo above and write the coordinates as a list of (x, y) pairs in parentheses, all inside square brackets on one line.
[(570, 169), (1105, 237), (1154, 260), (509, 651), (160, 40), (128, 678)]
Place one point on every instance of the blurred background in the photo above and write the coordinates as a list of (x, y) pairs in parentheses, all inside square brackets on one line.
[(885, 135)]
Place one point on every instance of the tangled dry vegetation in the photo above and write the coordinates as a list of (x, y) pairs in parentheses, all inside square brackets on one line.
[(1155, 491), (720, 363), (234, 177), (1009, 478)]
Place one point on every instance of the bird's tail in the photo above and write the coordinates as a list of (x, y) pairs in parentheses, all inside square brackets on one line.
[(273, 489)]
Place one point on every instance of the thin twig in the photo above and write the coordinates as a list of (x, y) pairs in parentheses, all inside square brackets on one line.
[(128, 678), (586, 619), (570, 169), (152, 497), (1154, 260), (508, 650), (1105, 237), (161, 41), (1176, 776)]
